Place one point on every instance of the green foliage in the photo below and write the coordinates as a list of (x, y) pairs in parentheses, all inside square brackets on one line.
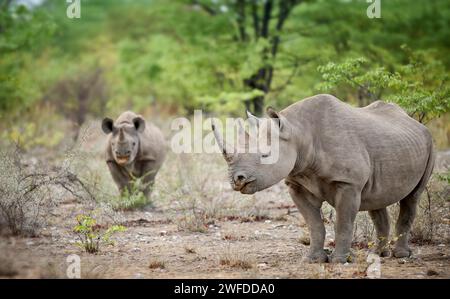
[(93, 235), (420, 86), (132, 198), (184, 55), (444, 177), (30, 134), (22, 34)]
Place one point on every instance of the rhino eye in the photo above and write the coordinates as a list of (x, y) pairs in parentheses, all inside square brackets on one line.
[(134, 143), (265, 155)]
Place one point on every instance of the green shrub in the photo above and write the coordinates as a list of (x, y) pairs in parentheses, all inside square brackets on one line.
[(93, 235), (132, 198)]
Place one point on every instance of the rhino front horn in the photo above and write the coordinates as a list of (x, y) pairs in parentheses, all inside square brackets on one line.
[(224, 148)]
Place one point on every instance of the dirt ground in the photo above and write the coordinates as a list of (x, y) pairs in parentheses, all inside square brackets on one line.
[(257, 236), (263, 249)]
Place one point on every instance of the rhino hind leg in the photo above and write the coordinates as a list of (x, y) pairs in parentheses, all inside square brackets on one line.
[(309, 208), (380, 219), (408, 207)]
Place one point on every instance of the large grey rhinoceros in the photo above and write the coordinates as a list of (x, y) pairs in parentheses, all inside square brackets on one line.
[(135, 149), (356, 159)]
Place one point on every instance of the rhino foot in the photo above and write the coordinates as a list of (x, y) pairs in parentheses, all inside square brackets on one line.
[(384, 252), (341, 259), (316, 257), (400, 252)]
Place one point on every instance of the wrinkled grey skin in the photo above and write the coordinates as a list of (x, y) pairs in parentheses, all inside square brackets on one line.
[(356, 159), (135, 148)]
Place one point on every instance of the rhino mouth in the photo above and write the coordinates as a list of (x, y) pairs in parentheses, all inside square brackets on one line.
[(246, 188), (122, 160)]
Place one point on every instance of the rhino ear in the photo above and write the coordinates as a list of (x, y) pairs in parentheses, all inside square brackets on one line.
[(107, 125), (139, 124), (281, 121)]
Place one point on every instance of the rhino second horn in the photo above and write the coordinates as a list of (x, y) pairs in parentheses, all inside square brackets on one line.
[(253, 118)]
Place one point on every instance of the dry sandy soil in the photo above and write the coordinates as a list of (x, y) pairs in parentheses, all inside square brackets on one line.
[(260, 249), (258, 236)]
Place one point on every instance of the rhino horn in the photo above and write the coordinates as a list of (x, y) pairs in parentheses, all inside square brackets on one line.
[(121, 135), (226, 150)]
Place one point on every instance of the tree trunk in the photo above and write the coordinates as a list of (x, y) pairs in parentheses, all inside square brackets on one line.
[(258, 104), (260, 81)]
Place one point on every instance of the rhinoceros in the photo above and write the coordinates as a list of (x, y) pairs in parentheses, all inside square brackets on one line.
[(135, 149), (355, 159)]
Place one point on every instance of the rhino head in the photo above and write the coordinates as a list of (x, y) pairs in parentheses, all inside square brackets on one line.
[(246, 170), (124, 141)]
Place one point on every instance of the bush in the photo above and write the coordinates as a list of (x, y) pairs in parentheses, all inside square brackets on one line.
[(92, 235), (131, 199), (26, 192)]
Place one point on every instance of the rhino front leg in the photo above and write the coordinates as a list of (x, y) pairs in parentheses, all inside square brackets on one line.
[(309, 207), (380, 219), (149, 182), (347, 202), (148, 173), (122, 180)]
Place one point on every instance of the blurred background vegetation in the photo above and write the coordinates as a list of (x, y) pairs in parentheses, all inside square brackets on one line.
[(167, 58)]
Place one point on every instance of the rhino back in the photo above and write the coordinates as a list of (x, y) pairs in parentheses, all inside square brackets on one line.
[(378, 146)]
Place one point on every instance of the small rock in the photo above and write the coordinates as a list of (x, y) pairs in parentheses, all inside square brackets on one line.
[(138, 276), (262, 265), (29, 243), (441, 245), (163, 233), (268, 221), (402, 261), (136, 249), (432, 272), (305, 240)]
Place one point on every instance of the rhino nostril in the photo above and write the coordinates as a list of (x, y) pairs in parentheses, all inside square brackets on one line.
[(240, 177)]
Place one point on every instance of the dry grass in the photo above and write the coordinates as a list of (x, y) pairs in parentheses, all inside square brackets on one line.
[(189, 249), (7, 267), (235, 259), (157, 264)]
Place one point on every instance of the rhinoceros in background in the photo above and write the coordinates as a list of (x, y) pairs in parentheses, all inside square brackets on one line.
[(356, 159), (135, 149)]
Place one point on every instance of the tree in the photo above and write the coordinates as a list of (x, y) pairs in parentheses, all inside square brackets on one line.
[(22, 34), (420, 86), (255, 20)]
